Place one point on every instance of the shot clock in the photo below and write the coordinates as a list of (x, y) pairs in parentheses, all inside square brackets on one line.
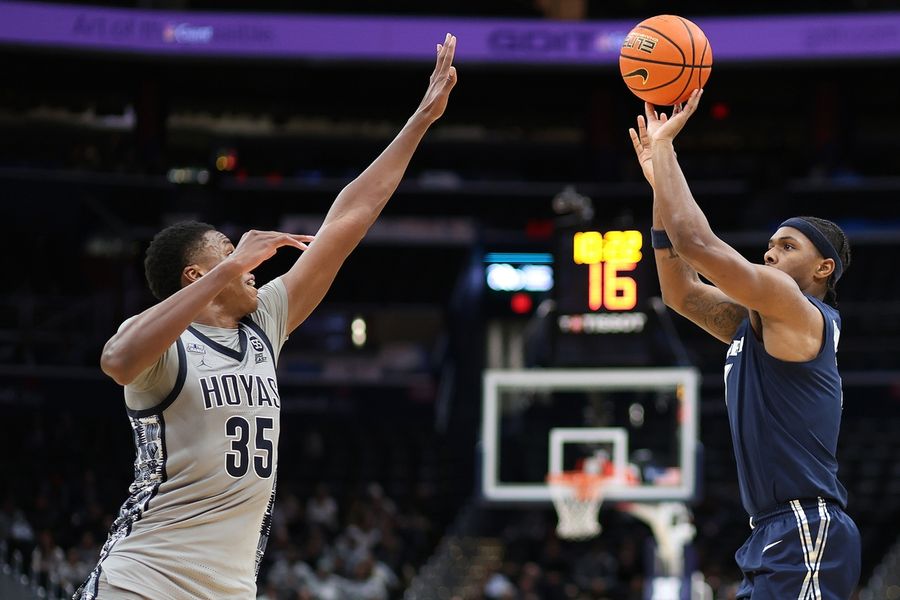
[(609, 258), (603, 281)]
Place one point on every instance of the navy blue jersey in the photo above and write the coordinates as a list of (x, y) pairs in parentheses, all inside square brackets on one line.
[(785, 418)]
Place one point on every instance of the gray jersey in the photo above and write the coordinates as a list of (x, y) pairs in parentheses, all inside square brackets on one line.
[(197, 519)]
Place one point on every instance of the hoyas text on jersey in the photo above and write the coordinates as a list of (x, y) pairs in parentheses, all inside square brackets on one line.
[(234, 389)]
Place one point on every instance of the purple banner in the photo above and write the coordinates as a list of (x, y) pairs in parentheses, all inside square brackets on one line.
[(172, 33)]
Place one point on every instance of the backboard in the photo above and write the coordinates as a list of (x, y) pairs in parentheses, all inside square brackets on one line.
[(540, 421)]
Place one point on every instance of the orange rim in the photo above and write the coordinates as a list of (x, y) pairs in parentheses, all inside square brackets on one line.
[(586, 485)]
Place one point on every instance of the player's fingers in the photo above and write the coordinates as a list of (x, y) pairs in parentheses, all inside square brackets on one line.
[(276, 234), (300, 237), (442, 52), (278, 239), (290, 241), (639, 147), (649, 111), (451, 77), (635, 140), (443, 64), (694, 100), (663, 117), (447, 63), (642, 132)]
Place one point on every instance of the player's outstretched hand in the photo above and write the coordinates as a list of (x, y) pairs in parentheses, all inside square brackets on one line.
[(663, 128), (641, 142), (256, 247), (441, 82)]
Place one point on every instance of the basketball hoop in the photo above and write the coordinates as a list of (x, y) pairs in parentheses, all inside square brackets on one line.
[(577, 496)]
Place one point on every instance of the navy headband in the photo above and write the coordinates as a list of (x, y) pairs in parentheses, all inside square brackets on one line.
[(819, 241)]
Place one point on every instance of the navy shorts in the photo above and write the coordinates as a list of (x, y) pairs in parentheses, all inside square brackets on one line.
[(808, 550)]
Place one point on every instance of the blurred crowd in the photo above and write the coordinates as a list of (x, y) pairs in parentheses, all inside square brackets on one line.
[(57, 551), (370, 554), (364, 549), (537, 565)]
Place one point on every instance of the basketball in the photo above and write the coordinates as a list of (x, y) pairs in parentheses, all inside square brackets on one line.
[(664, 58)]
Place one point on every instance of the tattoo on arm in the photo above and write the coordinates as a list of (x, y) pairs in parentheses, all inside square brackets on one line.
[(685, 269), (718, 316), (705, 305)]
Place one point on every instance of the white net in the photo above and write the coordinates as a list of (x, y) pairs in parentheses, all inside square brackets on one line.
[(577, 498)]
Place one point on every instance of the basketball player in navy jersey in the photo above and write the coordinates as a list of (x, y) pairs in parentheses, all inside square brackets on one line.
[(782, 387), (201, 388)]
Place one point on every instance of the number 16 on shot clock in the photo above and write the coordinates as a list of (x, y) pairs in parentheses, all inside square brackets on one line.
[(609, 258)]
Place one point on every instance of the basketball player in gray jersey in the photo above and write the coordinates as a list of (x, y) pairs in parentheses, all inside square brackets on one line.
[(201, 390)]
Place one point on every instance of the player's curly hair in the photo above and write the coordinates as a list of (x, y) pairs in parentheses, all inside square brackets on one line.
[(839, 240), (171, 250)]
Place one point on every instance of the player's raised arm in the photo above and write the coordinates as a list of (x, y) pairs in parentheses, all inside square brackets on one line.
[(772, 293), (143, 339), (681, 287), (359, 204)]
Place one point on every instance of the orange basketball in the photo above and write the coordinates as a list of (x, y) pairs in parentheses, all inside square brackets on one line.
[(664, 59)]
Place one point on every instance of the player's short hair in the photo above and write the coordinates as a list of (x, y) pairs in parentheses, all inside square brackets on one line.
[(171, 250), (839, 240)]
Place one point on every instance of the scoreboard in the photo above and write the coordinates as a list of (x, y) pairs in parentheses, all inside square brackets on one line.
[(602, 281), (609, 258)]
